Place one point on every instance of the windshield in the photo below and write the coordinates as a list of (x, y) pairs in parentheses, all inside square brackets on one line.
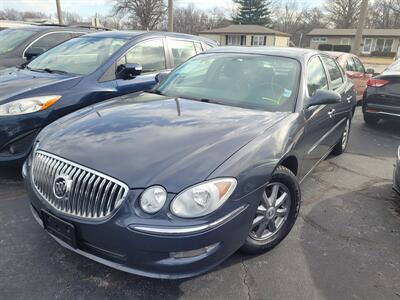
[(244, 80), (12, 38), (79, 56), (395, 66)]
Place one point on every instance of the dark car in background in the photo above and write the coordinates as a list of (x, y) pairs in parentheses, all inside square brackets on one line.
[(168, 184), (355, 70), (396, 176), (19, 45), (382, 96), (81, 72)]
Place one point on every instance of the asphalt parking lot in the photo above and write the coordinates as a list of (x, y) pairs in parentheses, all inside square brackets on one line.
[(345, 244)]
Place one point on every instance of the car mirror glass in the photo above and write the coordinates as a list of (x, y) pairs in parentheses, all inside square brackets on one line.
[(128, 71), (33, 52)]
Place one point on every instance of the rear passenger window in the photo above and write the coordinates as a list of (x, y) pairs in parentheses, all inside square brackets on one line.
[(181, 51), (359, 65), (198, 47), (149, 54), (51, 40), (351, 66), (316, 76), (334, 72)]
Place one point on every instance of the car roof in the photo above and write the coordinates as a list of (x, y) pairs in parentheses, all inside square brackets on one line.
[(47, 28), (337, 53), (297, 53), (135, 33)]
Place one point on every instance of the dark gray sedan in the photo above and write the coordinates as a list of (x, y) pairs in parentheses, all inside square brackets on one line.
[(168, 184)]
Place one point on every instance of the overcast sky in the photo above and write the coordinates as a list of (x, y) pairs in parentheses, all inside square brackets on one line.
[(90, 7)]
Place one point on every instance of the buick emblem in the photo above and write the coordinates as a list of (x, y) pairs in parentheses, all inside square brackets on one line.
[(61, 186)]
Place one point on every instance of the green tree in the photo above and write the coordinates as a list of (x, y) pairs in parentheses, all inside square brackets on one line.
[(253, 12)]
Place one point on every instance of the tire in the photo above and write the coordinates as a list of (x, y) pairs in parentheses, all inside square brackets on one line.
[(371, 120), (341, 146), (286, 182)]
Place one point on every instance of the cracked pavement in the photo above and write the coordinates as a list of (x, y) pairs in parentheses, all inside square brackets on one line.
[(345, 244)]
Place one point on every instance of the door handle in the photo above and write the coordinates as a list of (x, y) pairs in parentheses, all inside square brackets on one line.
[(349, 99), (331, 113)]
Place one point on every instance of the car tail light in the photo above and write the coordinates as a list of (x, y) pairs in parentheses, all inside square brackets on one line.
[(377, 82)]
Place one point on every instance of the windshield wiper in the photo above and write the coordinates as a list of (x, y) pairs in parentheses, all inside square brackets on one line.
[(209, 101), (155, 91), (48, 70)]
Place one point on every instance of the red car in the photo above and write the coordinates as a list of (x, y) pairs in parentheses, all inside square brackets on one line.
[(355, 70)]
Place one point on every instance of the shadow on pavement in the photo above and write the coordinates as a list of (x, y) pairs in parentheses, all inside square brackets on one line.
[(10, 173), (351, 244)]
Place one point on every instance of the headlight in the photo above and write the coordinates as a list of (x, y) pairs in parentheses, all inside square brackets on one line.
[(28, 105), (203, 199), (153, 199)]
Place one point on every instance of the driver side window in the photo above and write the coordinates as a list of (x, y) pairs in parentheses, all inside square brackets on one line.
[(149, 54), (316, 76)]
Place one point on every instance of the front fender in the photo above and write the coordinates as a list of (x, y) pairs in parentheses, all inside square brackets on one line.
[(254, 164)]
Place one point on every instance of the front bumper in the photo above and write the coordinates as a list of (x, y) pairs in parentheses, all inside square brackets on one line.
[(388, 112), (17, 134), (124, 241)]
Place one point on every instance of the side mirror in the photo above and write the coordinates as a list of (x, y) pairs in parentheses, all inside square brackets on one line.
[(370, 71), (160, 77), (33, 52), (324, 97), (128, 71)]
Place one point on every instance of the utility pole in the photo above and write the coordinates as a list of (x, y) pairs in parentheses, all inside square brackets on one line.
[(59, 13), (361, 24), (170, 15)]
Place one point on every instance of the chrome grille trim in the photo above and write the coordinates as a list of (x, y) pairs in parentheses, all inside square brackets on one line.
[(92, 195)]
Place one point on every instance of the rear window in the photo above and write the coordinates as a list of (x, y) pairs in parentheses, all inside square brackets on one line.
[(395, 66), (12, 38), (334, 72)]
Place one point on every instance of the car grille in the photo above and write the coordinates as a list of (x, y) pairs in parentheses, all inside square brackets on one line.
[(87, 193)]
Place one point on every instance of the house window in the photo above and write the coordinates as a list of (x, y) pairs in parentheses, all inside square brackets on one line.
[(319, 39), (384, 45), (234, 40), (258, 40), (367, 45), (345, 41)]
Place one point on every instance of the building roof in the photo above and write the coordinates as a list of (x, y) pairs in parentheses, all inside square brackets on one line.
[(352, 32), (245, 29)]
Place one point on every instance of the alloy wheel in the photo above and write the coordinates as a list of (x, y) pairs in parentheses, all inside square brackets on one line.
[(346, 132), (272, 212)]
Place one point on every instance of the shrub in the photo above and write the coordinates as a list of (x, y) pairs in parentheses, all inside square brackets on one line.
[(383, 53), (342, 48), (325, 47)]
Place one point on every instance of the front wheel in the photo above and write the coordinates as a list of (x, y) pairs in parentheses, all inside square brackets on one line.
[(276, 214)]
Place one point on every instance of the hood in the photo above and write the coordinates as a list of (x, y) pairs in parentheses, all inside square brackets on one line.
[(16, 83), (152, 139)]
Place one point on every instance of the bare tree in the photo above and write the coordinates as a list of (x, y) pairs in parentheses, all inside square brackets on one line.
[(11, 14), (191, 20), (343, 13), (146, 14), (384, 14), (289, 17), (70, 18)]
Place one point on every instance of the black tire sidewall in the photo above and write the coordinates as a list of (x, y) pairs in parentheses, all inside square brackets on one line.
[(286, 177)]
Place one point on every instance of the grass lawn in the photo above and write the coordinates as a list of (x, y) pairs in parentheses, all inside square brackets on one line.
[(377, 60)]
